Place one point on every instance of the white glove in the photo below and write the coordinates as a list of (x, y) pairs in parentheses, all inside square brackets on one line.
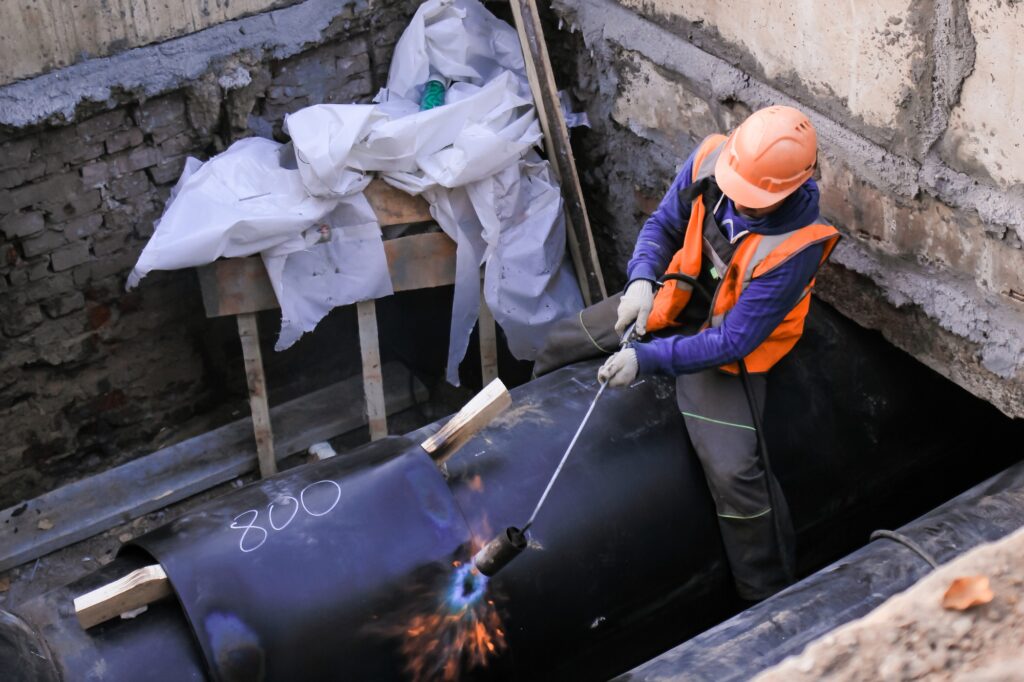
[(620, 369), (634, 306)]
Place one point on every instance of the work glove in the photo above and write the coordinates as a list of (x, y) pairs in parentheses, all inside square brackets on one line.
[(620, 369), (634, 306)]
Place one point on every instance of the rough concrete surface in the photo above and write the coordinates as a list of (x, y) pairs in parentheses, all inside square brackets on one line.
[(156, 69), (911, 636), (860, 54), (986, 130), (39, 36), (950, 239)]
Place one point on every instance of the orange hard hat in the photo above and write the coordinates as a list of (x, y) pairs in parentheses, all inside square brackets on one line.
[(767, 157)]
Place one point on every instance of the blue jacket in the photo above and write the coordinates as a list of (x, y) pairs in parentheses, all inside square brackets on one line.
[(762, 305)]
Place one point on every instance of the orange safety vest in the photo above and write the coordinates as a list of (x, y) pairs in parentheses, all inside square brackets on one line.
[(755, 256)]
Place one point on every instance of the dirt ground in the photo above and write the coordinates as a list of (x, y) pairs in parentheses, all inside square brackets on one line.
[(912, 637)]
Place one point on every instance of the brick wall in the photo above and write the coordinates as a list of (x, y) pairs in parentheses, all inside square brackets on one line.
[(90, 374)]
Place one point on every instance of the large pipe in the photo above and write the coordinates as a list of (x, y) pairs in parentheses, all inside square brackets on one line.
[(758, 638), (356, 567)]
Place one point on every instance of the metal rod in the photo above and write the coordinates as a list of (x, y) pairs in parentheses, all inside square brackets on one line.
[(568, 450)]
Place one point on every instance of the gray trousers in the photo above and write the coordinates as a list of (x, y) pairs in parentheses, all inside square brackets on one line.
[(721, 428)]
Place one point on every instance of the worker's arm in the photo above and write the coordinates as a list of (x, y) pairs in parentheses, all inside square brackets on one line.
[(760, 309), (662, 233)]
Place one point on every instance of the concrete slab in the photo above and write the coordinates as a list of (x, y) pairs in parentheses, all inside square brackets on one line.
[(862, 54), (40, 36), (986, 128)]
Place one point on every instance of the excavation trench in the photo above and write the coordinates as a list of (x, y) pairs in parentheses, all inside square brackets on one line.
[(355, 566)]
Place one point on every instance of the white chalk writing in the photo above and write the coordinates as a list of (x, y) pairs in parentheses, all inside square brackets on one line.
[(254, 535)]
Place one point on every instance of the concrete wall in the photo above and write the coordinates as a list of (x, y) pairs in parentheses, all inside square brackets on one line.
[(40, 36), (918, 107), (90, 375)]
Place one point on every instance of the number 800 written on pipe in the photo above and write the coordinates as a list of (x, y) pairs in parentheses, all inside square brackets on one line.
[(278, 516)]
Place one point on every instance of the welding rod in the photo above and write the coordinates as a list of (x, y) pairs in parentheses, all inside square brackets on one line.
[(497, 553), (568, 450)]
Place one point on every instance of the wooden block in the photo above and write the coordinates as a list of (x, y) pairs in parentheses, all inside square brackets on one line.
[(488, 343), (232, 286), (373, 380), (478, 413), (559, 151), (137, 589), (421, 261), (249, 334), (395, 207)]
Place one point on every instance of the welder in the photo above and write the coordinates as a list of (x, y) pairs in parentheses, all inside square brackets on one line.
[(742, 220)]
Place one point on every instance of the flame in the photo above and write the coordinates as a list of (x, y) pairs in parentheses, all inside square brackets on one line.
[(448, 624), (444, 644)]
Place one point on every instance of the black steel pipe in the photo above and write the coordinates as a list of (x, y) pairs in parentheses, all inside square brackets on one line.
[(756, 639), (356, 567)]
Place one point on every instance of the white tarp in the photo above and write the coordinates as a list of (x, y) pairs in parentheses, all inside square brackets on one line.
[(343, 262), (238, 203), (471, 159)]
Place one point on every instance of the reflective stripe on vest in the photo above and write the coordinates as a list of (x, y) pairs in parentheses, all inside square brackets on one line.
[(755, 256)]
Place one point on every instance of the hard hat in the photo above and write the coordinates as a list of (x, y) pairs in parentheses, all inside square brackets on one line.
[(767, 157)]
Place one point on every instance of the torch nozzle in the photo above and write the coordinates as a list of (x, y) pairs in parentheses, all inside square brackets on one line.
[(500, 551)]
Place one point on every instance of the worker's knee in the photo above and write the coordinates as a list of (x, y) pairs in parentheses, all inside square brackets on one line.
[(738, 486)]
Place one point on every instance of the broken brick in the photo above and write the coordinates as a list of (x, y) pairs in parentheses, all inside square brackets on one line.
[(62, 305), (69, 256), (18, 225), (44, 243)]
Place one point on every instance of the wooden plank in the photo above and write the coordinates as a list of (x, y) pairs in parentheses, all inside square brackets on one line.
[(92, 505), (556, 142), (373, 381), (477, 413), (488, 343), (421, 261), (139, 588), (232, 286), (249, 334), (395, 207)]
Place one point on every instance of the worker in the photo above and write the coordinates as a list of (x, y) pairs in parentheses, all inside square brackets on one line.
[(742, 218)]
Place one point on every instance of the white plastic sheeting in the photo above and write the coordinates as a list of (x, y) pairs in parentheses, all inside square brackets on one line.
[(343, 262), (472, 159), (241, 202)]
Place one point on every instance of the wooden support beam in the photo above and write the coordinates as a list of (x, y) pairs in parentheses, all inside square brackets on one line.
[(139, 588), (249, 334), (488, 343), (420, 261), (477, 413), (373, 380), (559, 151), (395, 207), (232, 286)]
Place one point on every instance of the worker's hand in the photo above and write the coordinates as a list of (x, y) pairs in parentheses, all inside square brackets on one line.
[(635, 306), (620, 369)]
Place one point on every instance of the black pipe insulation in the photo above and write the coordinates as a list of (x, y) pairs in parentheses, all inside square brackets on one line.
[(356, 567), (783, 625)]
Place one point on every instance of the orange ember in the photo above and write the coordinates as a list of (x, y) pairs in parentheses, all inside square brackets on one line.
[(439, 646)]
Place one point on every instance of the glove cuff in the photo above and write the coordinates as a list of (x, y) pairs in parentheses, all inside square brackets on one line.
[(640, 287)]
